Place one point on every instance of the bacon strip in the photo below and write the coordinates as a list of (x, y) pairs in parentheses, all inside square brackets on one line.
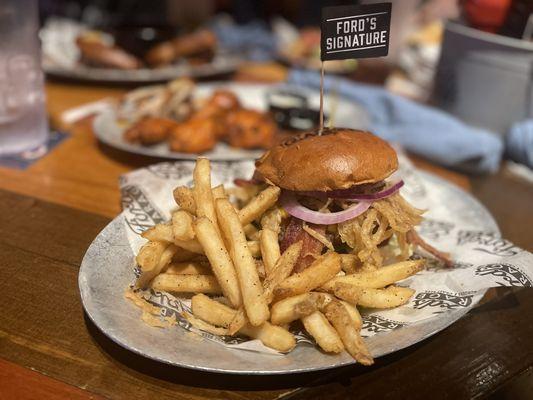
[(311, 247), (414, 238), (246, 182)]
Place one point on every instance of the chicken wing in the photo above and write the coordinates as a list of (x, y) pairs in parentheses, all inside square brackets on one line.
[(194, 136), (250, 129)]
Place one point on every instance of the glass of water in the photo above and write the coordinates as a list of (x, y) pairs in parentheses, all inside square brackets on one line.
[(23, 123)]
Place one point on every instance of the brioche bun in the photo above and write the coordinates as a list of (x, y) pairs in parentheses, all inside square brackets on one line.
[(338, 159)]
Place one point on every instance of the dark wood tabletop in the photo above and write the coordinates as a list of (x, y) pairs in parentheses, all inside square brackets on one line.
[(52, 211)]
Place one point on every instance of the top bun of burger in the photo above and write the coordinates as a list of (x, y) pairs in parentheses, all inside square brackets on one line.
[(338, 159)]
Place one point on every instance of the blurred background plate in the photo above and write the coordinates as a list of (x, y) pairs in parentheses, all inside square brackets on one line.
[(341, 112), (221, 65)]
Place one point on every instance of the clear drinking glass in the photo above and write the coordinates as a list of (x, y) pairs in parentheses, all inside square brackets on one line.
[(23, 123)]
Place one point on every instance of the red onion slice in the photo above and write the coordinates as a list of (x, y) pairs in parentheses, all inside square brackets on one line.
[(290, 204)]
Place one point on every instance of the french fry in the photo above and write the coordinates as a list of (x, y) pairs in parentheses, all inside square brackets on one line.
[(159, 233), (316, 301), (238, 322), (285, 311), (204, 326), (354, 314), (322, 270), (259, 204), (250, 285), (255, 248), (153, 258), (183, 255), (188, 268), (186, 283), (350, 263), (268, 240), (282, 269), (260, 268), (190, 245), (251, 232), (272, 336), (185, 199), (379, 278), (219, 314), (203, 196), (218, 192), (211, 311), (347, 292), (340, 318), (220, 261), (390, 297), (272, 218), (182, 225), (324, 334)]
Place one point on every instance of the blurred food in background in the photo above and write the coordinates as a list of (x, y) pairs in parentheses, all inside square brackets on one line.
[(170, 113), (301, 48)]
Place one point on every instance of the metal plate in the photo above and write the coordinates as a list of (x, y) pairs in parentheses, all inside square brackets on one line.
[(221, 65), (252, 96), (107, 269)]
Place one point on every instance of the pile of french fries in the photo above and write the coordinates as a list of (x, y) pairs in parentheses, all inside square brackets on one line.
[(228, 258)]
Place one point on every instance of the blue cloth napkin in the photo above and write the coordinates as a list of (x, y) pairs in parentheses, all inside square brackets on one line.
[(423, 130), (519, 143), (253, 40)]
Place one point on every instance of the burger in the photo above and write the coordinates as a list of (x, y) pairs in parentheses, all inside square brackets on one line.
[(341, 191)]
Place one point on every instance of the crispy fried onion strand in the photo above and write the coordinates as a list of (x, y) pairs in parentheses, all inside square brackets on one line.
[(387, 217)]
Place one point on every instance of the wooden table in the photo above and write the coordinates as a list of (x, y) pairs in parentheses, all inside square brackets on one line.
[(48, 349)]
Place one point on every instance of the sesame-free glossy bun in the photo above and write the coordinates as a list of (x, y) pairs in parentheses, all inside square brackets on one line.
[(338, 159)]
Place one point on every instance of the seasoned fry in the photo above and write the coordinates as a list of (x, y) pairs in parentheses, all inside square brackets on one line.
[(251, 232), (259, 204), (268, 240), (390, 297), (188, 268), (190, 245), (159, 233), (204, 326), (185, 199), (182, 225), (260, 268), (316, 301), (272, 218), (287, 310), (379, 278), (186, 283), (203, 196), (350, 263), (152, 259), (324, 334), (339, 317), (211, 311), (322, 270), (219, 314), (354, 314), (250, 285), (347, 292), (238, 322), (254, 248), (281, 270), (218, 192), (183, 255), (220, 261), (272, 336)]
